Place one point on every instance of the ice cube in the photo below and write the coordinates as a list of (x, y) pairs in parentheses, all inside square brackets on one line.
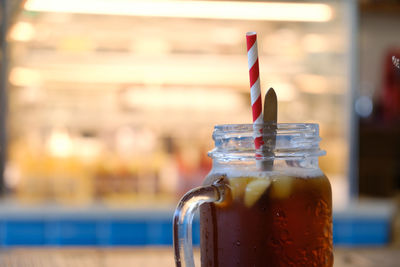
[(254, 190), (238, 186), (281, 187)]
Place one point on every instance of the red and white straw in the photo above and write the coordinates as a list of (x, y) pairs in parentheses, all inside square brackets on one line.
[(255, 91)]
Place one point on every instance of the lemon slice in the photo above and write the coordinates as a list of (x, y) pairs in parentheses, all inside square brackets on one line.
[(254, 190)]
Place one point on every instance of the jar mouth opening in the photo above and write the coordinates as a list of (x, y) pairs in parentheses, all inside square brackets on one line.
[(279, 126), (281, 141)]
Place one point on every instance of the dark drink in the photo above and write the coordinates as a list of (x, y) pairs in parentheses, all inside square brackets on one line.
[(270, 220)]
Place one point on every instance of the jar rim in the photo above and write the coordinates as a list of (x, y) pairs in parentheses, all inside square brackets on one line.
[(280, 126), (290, 141)]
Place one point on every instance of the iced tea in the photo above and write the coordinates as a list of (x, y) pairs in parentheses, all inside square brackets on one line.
[(268, 220)]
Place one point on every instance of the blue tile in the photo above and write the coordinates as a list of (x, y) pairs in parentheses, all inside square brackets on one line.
[(52, 233), (21, 232), (196, 233), (361, 231), (159, 233), (77, 233), (103, 232), (128, 233), (106, 232), (2, 233)]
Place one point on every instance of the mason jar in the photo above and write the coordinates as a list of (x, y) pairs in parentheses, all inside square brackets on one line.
[(271, 207)]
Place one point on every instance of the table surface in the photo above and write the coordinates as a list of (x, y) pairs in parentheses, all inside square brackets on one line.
[(163, 256)]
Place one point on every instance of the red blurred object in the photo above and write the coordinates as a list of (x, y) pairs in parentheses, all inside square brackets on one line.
[(192, 171), (391, 87)]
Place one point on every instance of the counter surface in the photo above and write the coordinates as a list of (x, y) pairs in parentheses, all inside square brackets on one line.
[(163, 256)]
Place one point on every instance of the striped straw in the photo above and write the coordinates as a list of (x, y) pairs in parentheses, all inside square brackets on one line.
[(255, 91)]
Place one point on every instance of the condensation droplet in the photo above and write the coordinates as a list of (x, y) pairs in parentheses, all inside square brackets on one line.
[(321, 208), (326, 231), (281, 213)]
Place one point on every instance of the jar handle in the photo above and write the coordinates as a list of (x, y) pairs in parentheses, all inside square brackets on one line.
[(183, 217)]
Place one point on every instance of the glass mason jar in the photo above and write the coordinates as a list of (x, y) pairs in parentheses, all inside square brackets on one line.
[(271, 207)]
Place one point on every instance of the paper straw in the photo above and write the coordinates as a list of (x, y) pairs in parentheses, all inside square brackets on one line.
[(255, 91)]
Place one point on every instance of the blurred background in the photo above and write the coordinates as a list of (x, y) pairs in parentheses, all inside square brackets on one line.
[(107, 109)]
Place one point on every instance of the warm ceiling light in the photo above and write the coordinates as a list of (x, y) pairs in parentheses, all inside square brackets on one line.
[(22, 31), (20, 76), (190, 9)]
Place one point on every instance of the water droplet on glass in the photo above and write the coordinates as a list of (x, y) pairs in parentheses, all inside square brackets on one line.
[(321, 208), (326, 231), (280, 213), (238, 243)]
